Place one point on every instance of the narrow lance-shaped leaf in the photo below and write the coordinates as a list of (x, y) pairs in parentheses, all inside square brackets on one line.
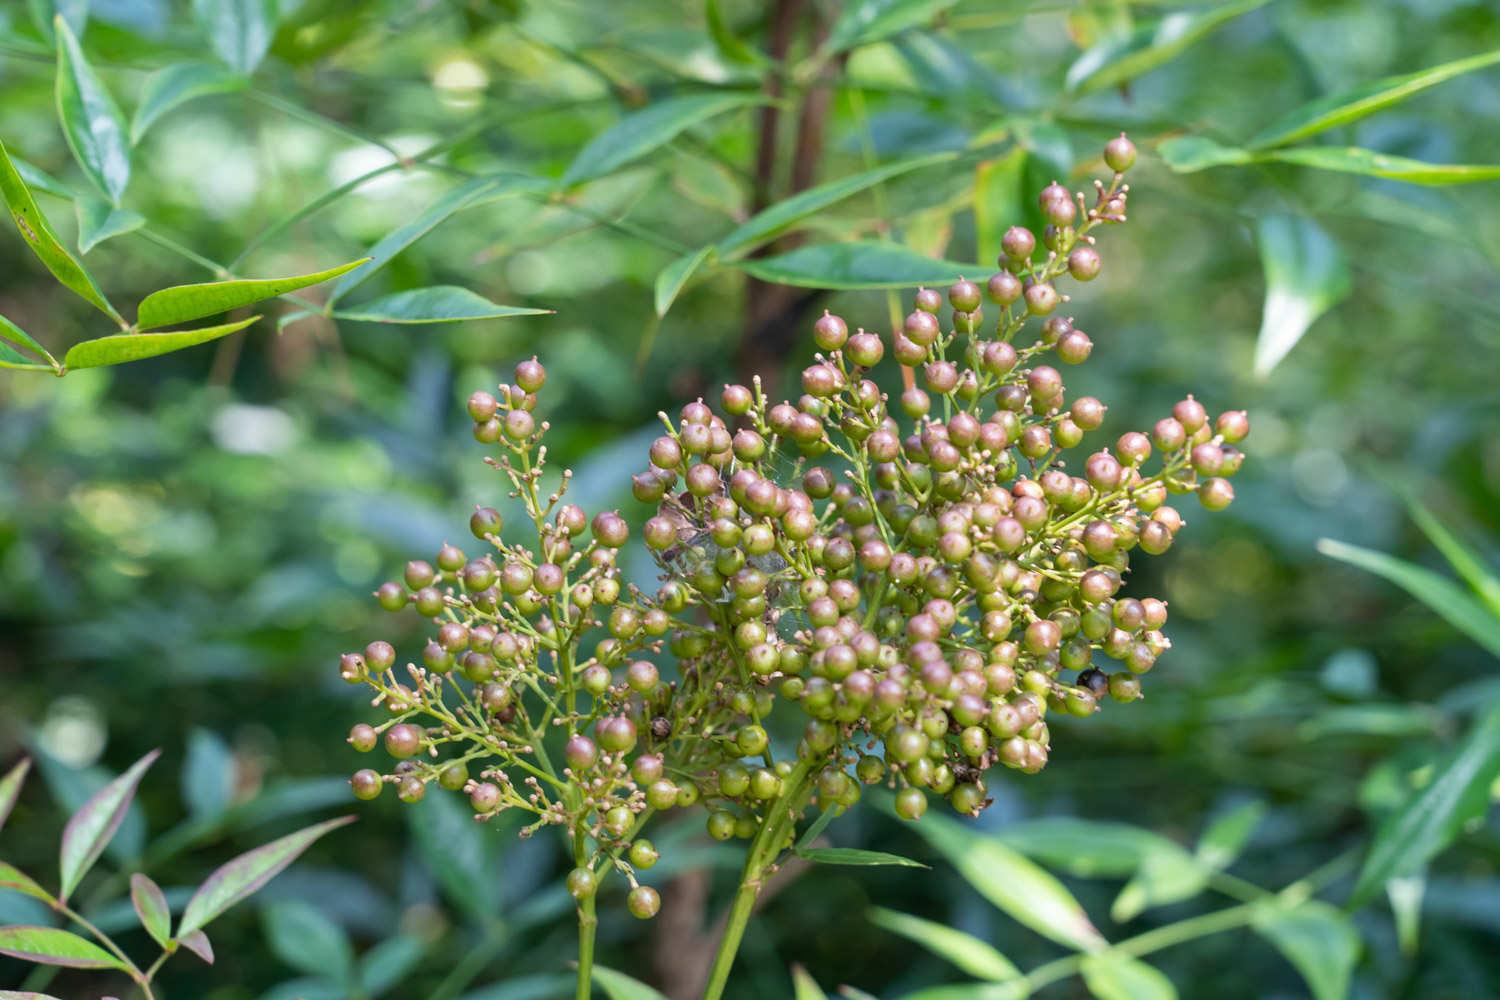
[(1227, 835), (1459, 555), (151, 907), (239, 31), (730, 45), (649, 129), (1442, 595), (92, 826), (91, 120), (438, 304), (197, 942), (1168, 876), (10, 787), (184, 303), (1353, 160), (1352, 105), (308, 941), (864, 22), (965, 951), (51, 946), (241, 877), (12, 358), (804, 986), (98, 221), (1429, 820), (1319, 939), (854, 856), (15, 880), (618, 986), (39, 180), (176, 85), (672, 278), (124, 347), (1306, 275), (43, 242), (859, 264), (1117, 60), (1113, 975)]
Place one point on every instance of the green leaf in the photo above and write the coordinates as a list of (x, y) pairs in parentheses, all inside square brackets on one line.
[(308, 941), (618, 986), (232, 882), (670, 280), (151, 906), (1087, 848), (15, 880), (1165, 876), (170, 88), (1113, 975), (438, 304), (74, 12), (965, 951), (804, 986), (1191, 153), (389, 962), (972, 991), (817, 826), (466, 195), (1306, 275), (1459, 555), (1116, 60), (207, 778), (1431, 817), (730, 45), (10, 787), (12, 358), (458, 853), (999, 199), (783, 215), (1448, 599), (124, 347), (649, 129), (855, 265), (98, 221), (43, 242), (239, 31), (183, 303), (1227, 835), (1352, 105), (39, 180), (1405, 894), (865, 21), (1007, 879), (92, 826), (51, 946), (197, 942), (853, 856), (91, 119), (1353, 160), (1319, 939)]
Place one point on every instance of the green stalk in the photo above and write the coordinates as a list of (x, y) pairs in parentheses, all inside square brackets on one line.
[(587, 924)]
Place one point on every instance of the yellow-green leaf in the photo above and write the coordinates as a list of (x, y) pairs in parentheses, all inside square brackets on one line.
[(853, 856), (649, 129), (438, 304), (670, 280), (98, 221), (150, 905), (184, 303), (91, 119), (176, 85), (123, 347), (239, 31), (15, 880), (618, 986), (12, 358), (1116, 60), (1191, 153), (999, 199), (1353, 160), (864, 22), (10, 787), (1113, 975), (51, 946)]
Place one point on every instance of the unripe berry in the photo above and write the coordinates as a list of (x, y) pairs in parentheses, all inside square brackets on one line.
[(1018, 243), (484, 797), (582, 883), (519, 425), (1191, 414), (530, 375), (580, 753), (928, 300), (1216, 494), (911, 803), (964, 295), (643, 854), (1119, 153), (921, 328), (865, 349), (482, 406), (1233, 426), (366, 784), (1084, 263), (643, 902), (830, 332), (1074, 347), (1056, 204), (403, 740), (1041, 299)]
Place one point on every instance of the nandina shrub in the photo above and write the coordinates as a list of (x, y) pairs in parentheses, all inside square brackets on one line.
[(926, 579)]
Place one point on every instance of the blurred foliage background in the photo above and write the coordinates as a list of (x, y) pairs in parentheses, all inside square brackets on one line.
[(187, 543)]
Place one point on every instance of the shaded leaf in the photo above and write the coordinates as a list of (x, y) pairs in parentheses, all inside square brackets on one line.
[(865, 21), (437, 304), (1459, 555), (25, 995), (853, 856), (1088, 848), (207, 774), (730, 45), (1319, 939), (91, 120), (649, 129), (12, 358), (52, 946), (1431, 817), (1025, 892), (999, 199), (618, 986), (10, 787), (855, 265), (184, 303), (670, 280), (1191, 153), (1116, 60), (241, 877), (820, 824), (239, 31), (1165, 876), (1306, 275), (1113, 975), (459, 853), (12, 879), (1353, 160), (125, 347), (99, 220), (170, 88), (151, 906), (1448, 599), (74, 12), (1227, 835), (965, 951), (389, 962), (43, 242), (804, 986), (1352, 105), (308, 941), (197, 942), (1405, 894), (92, 826)]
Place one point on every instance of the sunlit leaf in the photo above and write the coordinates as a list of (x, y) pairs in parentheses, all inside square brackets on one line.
[(1306, 275), (1165, 876), (855, 265), (1352, 105), (10, 787), (437, 304), (241, 877), (39, 180), (1228, 834), (670, 280), (197, 942), (1319, 939), (91, 827), (999, 199), (1116, 60), (804, 986), (1405, 894), (12, 879), (98, 221), (207, 774), (239, 31), (151, 907), (308, 941), (43, 242), (865, 21), (1113, 975), (854, 856), (12, 358), (1352, 160), (618, 986), (1460, 608), (965, 951), (125, 347), (51, 946), (1431, 817), (184, 303), (91, 120), (643, 131), (170, 88)]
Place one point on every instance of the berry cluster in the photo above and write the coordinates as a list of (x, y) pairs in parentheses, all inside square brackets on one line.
[(926, 581)]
